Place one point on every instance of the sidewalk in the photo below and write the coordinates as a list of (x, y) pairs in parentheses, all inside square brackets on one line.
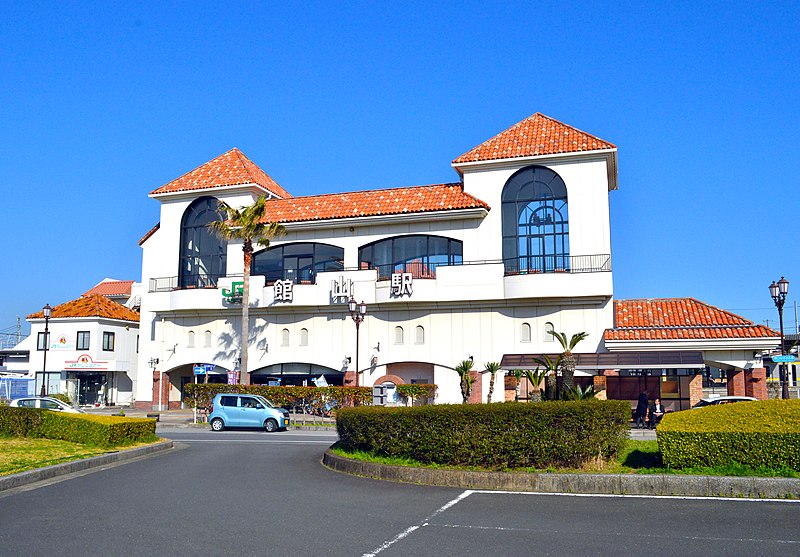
[(185, 417)]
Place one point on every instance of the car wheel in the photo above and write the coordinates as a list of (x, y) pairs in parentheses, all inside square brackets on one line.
[(270, 426), (217, 424)]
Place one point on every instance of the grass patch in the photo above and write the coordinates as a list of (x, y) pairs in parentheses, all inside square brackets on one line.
[(636, 457), (20, 454)]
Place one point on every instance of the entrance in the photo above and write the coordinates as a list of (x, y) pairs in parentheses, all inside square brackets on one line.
[(91, 388), (670, 385)]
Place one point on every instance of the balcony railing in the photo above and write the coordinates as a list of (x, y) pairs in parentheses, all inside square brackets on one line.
[(528, 265)]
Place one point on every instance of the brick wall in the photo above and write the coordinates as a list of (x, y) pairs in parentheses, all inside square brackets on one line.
[(756, 383), (736, 383), (695, 389), (476, 396)]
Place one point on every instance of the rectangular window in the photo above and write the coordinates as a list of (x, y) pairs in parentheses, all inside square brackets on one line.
[(41, 342), (83, 340), (108, 342)]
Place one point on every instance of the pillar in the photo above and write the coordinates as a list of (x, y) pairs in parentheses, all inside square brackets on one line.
[(736, 382), (695, 389), (599, 383), (755, 383)]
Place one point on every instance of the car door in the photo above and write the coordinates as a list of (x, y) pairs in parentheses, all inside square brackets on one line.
[(251, 411)]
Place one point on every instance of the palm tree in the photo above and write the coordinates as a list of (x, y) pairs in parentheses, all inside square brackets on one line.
[(517, 373), (535, 377), (493, 368), (463, 370), (550, 370), (249, 225), (567, 358)]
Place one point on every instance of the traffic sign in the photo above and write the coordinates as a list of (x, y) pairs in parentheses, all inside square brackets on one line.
[(784, 359)]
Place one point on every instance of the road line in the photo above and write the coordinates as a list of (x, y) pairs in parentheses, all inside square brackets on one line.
[(387, 544), (266, 441), (623, 496)]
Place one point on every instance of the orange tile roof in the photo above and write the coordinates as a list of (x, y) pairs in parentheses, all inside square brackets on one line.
[(228, 169), (536, 135), (679, 319), (150, 233), (111, 288), (90, 306), (415, 199)]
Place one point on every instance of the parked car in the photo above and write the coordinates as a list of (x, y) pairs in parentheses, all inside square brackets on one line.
[(714, 401), (45, 402), (242, 410)]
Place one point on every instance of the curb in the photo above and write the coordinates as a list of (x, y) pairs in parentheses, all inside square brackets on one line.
[(48, 472), (616, 484)]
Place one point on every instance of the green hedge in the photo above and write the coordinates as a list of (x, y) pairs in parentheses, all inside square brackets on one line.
[(496, 436), (758, 434), (87, 429)]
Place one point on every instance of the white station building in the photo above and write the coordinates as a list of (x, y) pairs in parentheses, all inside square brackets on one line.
[(481, 268)]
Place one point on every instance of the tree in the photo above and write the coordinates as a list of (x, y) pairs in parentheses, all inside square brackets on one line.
[(463, 370), (493, 368), (550, 370), (535, 377), (248, 224), (517, 373), (567, 358)]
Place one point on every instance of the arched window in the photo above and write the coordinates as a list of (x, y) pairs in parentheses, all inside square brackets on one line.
[(298, 262), (285, 337), (303, 337), (419, 337), (207, 339), (548, 332), (398, 335), (415, 254), (535, 222), (190, 339), (525, 332), (203, 256)]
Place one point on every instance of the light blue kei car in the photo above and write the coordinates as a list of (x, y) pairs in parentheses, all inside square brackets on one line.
[(241, 410)]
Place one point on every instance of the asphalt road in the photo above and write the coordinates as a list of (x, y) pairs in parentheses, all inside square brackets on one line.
[(253, 493)]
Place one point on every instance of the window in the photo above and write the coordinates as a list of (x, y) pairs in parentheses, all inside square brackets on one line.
[(285, 337), (41, 342), (83, 340), (525, 332), (228, 400), (207, 339), (535, 222), (415, 254), (137, 344), (398, 335), (298, 262), (548, 332), (203, 255), (190, 339), (303, 337), (108, 342), (419, 335)]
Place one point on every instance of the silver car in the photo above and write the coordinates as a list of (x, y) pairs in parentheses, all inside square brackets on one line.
[(45, 402), (717, 400)]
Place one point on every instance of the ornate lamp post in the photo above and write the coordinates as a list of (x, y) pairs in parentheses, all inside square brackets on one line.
[(357, 312), (48, 311), (778, 291)]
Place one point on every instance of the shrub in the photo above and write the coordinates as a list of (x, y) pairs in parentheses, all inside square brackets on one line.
[(497, 436), (202, 394), (757, 434), (420, 393), (102, 431)]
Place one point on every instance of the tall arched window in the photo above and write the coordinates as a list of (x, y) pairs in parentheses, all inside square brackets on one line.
[(285, 337), (303, 337), (525, 332), (398, 335), (190, 339), (203, 254), (207, 339), (535, 222), (420, 335), (548, 332)]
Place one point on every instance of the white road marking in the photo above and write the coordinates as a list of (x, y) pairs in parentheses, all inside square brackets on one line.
[(387, 544), (265, 441), (623, 496)]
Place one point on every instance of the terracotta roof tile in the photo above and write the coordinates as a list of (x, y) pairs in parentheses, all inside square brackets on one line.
[(228, 169), (111, 288), (415, 199), (536, 135), (679, 319), (90, 306), (150, 233)]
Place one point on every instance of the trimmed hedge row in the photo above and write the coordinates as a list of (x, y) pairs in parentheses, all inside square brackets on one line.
[(202, 394), (101, 431), (764, 433), (495, 436)]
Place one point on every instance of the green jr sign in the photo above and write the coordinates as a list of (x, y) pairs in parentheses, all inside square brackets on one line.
[(235, 293)]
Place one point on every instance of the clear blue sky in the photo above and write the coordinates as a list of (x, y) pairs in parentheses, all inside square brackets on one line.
[(102, 102)]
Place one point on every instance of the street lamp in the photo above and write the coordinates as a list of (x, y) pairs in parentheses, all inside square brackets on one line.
[(778, 291), (357, 312), (48, 311)]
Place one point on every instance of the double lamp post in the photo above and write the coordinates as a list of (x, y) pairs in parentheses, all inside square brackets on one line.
[(357, 312), (778, 291), (48, 311)]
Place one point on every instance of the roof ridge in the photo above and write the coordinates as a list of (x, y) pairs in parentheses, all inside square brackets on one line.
[(241, 157), (460, 184)]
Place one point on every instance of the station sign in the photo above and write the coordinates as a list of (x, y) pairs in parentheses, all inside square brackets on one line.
[(784, 359)]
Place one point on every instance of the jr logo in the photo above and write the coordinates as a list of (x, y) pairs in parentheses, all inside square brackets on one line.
[(235, 293)]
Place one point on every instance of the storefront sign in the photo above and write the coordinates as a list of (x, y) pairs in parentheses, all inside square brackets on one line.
[(62, 343), (401, 284), (341, 290), (235, 293), (284, 290), (85, 361)]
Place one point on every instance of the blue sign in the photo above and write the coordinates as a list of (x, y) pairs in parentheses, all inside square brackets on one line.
[(784, 359), (199, 369)]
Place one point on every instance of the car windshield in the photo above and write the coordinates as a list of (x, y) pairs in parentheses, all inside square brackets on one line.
[(702, 403), (267, 403)]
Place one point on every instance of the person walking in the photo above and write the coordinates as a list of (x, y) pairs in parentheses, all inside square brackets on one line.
[(641, 410)]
